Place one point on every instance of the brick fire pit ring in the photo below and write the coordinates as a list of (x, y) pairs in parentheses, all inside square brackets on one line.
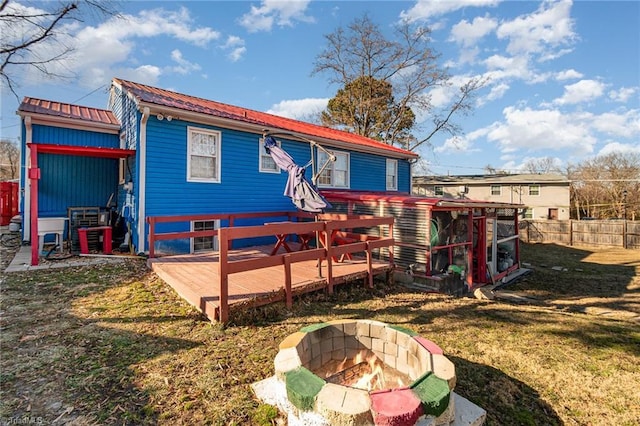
[(431, 375)]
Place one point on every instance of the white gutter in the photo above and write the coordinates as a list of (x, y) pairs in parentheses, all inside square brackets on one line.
[(142, 170), (26, 220)]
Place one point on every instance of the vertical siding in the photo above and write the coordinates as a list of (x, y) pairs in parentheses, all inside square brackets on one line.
[(69, 181)]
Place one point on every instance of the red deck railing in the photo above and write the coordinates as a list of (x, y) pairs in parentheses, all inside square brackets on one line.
[(328, 228)]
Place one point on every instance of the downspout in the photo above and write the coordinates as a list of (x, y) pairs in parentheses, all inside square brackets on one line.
[(142, 152)]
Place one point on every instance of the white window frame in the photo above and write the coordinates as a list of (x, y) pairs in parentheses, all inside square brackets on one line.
[(492, 187), (262, 153), (438, 190), (394, 176), (215, 244), (538, 192), (331, 169), (216, 155), (122, 170), (525, 213)]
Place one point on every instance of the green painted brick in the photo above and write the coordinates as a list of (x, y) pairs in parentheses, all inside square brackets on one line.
[(302, 388), (433, 392), (313, 327), (403, 330)]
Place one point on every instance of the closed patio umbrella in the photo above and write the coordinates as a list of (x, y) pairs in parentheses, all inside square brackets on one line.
[(303, 194)]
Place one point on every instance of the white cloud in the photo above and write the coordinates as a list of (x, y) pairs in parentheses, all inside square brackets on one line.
[(582, 91), (299, 108), (145, 74), (278, 12), (468, 33), (568, 75), (612, 147), (624, 124), (623, 94), (183, 66), (457, 145), (526, 130), (236, 48), (425, 9), (549, 27), (109, 48), (497, 91), (541, 130)]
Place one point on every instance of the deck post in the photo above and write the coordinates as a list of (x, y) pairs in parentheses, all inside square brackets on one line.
[(327, 239), (152, 236), (287, 280), (223, 271)]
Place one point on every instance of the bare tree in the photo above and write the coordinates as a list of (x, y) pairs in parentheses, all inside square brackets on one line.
[(409, 64), (607, 186), (25, 30), (542, 165), (9, 160)]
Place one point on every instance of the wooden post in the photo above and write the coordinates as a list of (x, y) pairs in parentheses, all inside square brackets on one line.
[(287, 280), (327, 239), (230, 226), (369, 266), (571, 232), (152, 236), (624, 233), (223, 271)]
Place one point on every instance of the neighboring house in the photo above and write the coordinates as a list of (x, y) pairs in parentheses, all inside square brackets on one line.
[(546, 196), (156, 152)]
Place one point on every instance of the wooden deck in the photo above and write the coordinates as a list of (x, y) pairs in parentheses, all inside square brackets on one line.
[(196, 278)]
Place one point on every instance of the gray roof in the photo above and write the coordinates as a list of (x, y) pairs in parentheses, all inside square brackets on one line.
[(529, 178)]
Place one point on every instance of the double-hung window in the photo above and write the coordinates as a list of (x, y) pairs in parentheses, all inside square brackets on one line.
[(206, 243), (267, 165), (392, 175), (203, 156), (496, 190), (438, 190), (336, 174), (534, 189)]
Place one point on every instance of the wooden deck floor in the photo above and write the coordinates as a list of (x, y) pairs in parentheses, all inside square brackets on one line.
[(195, 278)]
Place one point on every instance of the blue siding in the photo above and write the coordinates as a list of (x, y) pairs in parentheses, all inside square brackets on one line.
[(61, 136), (242, 188), (70, 181)]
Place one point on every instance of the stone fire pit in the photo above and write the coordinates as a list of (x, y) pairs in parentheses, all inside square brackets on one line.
[(359, 372)]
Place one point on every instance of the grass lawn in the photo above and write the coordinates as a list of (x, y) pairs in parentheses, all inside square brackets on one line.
[(113, 344)]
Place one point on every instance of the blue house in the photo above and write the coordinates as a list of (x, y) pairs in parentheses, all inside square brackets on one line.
[(155, 152)]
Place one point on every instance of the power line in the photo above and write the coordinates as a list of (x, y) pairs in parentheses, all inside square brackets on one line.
[(90, 93)]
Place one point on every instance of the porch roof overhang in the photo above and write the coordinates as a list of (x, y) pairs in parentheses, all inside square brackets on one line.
[(84, 151), (407, 199), (477, 204)]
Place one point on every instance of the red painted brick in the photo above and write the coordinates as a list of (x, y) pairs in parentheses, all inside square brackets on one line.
[(429, 345), (398, 407)]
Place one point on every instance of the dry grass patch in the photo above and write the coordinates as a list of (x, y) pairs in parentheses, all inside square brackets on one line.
[(115, 345)]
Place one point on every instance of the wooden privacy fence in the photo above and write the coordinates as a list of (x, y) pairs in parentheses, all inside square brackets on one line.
[(609, 233), (334, 233)]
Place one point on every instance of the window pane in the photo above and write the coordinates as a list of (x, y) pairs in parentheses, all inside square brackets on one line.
[(341, 162), (534, 190), (203, 167), (341, 178), (267, 163)]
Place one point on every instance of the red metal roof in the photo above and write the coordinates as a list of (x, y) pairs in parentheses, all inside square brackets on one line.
[(167, 98), (59, 109), (407, 199)]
